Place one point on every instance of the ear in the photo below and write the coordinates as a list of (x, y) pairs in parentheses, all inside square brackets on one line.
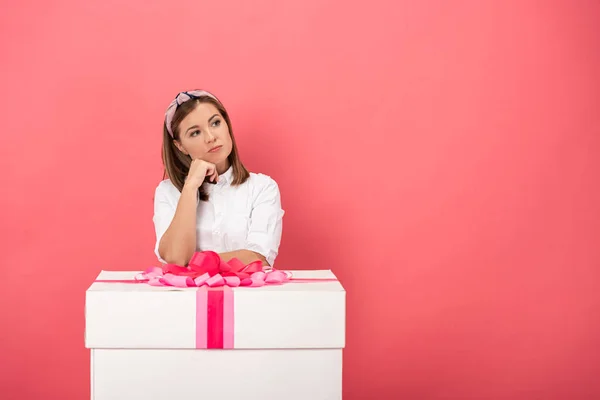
[(180, 147)]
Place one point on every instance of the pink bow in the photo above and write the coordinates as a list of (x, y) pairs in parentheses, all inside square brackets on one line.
[(207, 268)]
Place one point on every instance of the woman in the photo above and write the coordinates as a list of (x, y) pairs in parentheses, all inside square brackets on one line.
[(210, 201)]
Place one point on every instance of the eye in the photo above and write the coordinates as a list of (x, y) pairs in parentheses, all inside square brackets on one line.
[(195, 133), (217, 122)]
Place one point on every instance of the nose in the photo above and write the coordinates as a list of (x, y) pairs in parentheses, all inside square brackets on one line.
[(209, 137)]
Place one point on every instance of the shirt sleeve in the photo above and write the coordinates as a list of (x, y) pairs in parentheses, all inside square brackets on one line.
[(266, 221), (164, 212)]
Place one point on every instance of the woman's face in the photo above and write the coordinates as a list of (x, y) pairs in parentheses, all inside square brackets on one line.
[(204, 134)]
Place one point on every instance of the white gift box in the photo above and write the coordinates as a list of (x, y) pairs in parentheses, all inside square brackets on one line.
[(270, 342)]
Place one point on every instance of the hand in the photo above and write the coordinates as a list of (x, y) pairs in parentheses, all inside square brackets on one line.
[(199, 171)]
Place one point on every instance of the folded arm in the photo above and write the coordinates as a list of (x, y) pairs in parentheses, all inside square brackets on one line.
[(245, 256)]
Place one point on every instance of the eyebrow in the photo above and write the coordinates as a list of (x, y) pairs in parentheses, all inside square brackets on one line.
[(191, 127), (196, 126)]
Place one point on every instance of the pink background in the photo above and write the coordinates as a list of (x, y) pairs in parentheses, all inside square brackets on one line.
[(441, 157)]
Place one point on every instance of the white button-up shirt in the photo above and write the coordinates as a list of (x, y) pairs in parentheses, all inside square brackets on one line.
[(248, 216)]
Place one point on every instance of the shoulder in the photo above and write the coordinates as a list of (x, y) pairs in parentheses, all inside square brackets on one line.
[(263, 189), (261, 182), (166, 188)]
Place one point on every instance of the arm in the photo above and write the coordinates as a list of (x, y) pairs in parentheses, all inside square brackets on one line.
[(264, 234), (178, 243), (176, 226), (245, 256)]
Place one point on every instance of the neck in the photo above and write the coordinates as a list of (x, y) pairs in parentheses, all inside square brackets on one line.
[(223, 167)]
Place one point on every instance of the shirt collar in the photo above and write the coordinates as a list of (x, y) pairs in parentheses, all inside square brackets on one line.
[(225, 179), (227, 176)]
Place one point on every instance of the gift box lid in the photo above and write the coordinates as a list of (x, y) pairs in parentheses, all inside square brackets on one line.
[(303, 314)]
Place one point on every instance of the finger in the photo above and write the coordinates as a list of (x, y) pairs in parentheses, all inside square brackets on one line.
[(213, 170), (211, 173)]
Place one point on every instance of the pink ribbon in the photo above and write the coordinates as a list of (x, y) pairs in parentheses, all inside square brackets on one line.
[(214, 318), (207, 268)]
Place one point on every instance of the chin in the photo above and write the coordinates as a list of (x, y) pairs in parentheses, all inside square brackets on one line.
[(217, 158)]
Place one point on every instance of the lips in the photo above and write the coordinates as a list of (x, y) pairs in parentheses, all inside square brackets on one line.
[(215, 149)]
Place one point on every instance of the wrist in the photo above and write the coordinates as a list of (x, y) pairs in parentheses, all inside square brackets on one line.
[(189, 189)]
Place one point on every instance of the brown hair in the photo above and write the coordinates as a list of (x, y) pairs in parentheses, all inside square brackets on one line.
[(177, 164)]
